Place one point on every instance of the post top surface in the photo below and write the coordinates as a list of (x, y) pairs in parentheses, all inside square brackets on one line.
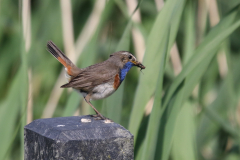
[(77, 128)]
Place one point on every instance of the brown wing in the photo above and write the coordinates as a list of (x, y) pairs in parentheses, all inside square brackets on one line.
[(93, 76)]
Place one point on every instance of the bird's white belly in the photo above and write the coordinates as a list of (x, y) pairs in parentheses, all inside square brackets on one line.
[(102, 91)]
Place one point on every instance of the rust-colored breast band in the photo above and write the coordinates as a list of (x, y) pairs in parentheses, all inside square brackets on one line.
[(116, 82)]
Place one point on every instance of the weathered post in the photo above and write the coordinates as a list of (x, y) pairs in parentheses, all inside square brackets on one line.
[(76, 138)]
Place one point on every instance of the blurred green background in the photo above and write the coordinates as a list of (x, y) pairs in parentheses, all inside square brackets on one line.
[(184, 106)]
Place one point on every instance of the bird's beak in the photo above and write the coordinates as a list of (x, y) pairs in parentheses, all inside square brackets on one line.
[(138, 64)]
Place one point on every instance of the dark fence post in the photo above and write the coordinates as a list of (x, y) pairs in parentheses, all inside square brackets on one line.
[(76, 138)]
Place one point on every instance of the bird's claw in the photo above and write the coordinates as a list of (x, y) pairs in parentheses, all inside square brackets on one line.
[(101, 117), (98, 117)]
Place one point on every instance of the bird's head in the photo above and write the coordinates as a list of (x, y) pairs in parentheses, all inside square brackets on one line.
[(124, 58)]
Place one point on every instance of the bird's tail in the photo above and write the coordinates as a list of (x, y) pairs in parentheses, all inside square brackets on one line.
[(62, 58)]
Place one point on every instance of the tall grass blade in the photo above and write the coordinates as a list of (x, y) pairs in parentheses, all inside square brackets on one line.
[(24, 97), (26, 44), (189, 30), (150, 141), (10, 105), (184, 141), (184, 133), (152, 58)]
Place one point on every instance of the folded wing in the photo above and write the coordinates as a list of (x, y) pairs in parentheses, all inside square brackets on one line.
[(93, 75)]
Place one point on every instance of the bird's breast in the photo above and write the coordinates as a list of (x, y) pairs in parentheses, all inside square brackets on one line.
[(117, 82), (102, 91)]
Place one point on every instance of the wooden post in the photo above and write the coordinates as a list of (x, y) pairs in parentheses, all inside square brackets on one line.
[(77, 138)]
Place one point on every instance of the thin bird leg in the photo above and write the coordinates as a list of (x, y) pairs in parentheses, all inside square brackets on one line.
[(98, 113)]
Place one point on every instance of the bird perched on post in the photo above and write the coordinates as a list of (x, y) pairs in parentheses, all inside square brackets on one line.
[(99, 80)]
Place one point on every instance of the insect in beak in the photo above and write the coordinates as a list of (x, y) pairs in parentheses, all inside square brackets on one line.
[(138, 64)]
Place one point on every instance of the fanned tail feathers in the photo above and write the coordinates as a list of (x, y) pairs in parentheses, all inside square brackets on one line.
[(62, 58)]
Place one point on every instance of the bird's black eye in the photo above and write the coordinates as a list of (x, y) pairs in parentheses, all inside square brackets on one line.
[(130, 57)]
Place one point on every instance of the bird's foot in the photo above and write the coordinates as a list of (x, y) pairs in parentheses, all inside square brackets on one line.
[(98, 117), (101, 117)]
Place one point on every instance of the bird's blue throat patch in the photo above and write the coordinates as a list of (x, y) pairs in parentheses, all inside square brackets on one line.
[(125, 69)]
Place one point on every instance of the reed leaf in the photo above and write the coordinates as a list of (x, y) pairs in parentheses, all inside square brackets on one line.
[(150, 141), (154, 49)]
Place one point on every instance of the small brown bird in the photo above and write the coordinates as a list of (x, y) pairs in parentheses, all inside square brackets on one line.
[(97, 81)]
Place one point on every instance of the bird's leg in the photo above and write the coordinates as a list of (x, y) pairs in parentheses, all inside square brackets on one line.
[(87, 99), (98, 114)]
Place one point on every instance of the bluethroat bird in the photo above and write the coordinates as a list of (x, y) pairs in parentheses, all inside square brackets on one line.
[(99, 80)]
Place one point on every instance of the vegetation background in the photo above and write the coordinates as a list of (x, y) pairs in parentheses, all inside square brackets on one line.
[(184, 106)]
